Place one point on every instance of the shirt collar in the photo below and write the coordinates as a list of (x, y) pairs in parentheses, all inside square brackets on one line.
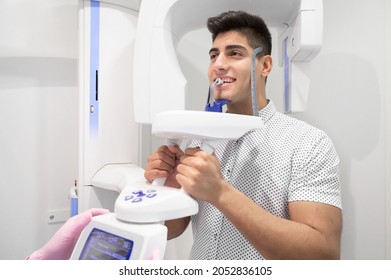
[(267, 112)]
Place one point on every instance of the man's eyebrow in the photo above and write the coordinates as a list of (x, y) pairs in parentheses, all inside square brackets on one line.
[(213, 50), (229, 47)]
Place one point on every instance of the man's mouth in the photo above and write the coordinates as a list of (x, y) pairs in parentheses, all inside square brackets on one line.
[(224, 81)]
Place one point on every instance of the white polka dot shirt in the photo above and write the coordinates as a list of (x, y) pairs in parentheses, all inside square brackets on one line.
[(288, 160)]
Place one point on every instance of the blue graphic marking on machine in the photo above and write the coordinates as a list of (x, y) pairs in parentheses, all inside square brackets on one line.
[(94, 68), (140, 195)]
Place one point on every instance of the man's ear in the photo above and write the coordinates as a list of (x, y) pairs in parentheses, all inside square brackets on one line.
[(267, 65)]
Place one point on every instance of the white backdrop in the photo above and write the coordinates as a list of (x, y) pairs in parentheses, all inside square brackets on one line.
[(39, 124), (38, 119)]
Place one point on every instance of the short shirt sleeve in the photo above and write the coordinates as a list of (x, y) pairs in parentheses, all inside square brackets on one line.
[(315, 172)]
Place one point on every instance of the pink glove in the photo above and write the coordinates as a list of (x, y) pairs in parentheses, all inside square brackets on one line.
[(61, 245)]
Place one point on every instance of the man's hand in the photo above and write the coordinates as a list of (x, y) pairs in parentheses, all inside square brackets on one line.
[(163, 164)]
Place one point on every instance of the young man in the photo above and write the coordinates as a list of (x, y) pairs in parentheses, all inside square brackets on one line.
[(273, 193)]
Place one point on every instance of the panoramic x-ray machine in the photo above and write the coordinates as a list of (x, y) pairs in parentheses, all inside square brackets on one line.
[(135, 230)]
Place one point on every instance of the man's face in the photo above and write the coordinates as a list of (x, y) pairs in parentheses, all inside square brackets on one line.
[(230, 60)]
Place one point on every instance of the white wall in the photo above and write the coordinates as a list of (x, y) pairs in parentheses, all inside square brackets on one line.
[(351, 108), (38, 116), (347, 101), (38, 119), (388, 123)]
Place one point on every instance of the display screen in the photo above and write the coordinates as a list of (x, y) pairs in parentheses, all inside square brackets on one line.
[(102, 245)]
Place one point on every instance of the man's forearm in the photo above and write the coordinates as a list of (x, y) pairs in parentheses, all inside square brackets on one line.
[(176, 227)]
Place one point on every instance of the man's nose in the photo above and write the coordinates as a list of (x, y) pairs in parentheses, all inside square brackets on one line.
[(221, 63)]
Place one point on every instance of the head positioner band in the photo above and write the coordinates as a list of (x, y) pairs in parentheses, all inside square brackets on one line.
[(254, 97)]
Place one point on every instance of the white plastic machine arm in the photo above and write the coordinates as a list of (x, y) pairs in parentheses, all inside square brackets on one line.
[(145, 203)]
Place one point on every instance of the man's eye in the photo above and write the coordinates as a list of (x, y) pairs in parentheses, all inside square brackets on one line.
[(235, 53), (212, 56)]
